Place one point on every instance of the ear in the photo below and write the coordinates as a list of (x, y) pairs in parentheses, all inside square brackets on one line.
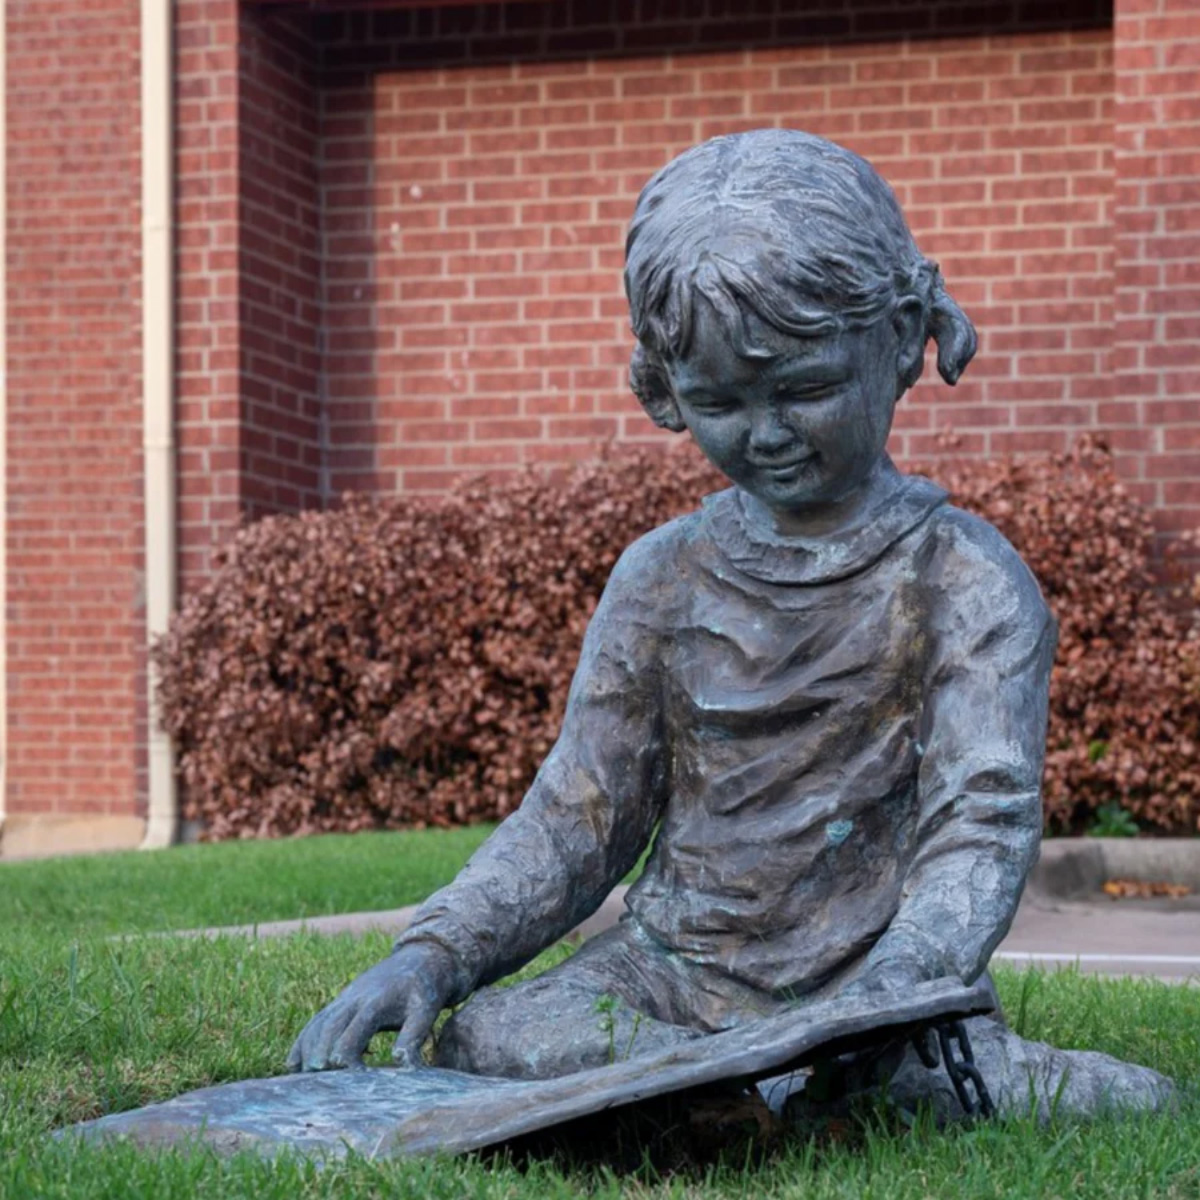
[(648, 379), (908, 321)]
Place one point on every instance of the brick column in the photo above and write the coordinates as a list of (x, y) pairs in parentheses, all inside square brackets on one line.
[(74, 533), (248, 272), (247, 358), (207, 405), (279, 265), (1157, 235)]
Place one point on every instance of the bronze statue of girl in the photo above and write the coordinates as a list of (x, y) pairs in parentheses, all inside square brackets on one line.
[(823, 695)]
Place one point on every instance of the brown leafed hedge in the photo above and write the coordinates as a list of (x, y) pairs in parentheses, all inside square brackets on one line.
[(406, 662)]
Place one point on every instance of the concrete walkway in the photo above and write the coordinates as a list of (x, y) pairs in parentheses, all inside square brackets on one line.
[(1110, 937), (1157, 938), (392, 921)]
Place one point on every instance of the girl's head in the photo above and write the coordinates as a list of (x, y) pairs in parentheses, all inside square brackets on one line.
[(776, 243)]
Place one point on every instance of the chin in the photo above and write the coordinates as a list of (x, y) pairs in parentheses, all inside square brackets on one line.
[(792, 498)]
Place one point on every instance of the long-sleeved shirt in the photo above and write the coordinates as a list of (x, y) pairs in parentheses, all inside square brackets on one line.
[(838, 740)]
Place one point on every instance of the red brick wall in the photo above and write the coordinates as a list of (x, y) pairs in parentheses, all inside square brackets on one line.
[(207, 380), (399, 251), (279, 265), (74, 537), (479, 172), (246, 381), (1157, 356), (248, 262)]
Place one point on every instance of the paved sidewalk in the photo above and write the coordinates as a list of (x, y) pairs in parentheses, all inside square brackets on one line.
[(1110, 937), (390, 921)]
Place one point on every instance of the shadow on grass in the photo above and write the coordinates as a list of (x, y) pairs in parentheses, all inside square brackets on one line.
[(689, 1135)]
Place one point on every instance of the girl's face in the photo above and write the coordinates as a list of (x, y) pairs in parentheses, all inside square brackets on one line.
[(798, 431)]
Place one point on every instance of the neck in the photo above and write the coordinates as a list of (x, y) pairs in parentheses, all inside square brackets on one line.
[(825, 519)]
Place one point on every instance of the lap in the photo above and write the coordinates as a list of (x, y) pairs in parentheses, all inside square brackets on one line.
[(619, 995), (652, 1001)]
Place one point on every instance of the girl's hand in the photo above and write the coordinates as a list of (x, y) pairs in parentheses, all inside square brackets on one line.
[(405, 992)]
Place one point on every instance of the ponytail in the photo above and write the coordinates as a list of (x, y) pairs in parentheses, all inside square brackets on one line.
[(951, 328)]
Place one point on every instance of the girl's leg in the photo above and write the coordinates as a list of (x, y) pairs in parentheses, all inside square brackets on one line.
[(1033, 1079), (589, 1011)]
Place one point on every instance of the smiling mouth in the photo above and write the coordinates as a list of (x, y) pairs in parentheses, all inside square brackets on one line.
[(784, 468)]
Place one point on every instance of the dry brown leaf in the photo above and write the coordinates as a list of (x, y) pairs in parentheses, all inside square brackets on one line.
[(1137, 889)]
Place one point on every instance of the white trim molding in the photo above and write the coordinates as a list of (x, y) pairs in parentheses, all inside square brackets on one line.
[(158, 396), (3, 413)]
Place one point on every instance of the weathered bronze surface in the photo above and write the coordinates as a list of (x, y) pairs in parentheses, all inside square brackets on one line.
[(389, 1111), (823, 695), (821, 698)]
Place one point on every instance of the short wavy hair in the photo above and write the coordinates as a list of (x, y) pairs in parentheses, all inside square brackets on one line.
[(801, 232)]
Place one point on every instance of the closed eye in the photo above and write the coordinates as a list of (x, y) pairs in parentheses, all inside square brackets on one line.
[(714, 406), (806, 395)]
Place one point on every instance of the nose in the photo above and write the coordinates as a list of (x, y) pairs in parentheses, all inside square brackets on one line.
[(769, 432)]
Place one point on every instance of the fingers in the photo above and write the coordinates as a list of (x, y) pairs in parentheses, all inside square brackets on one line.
[(422, 1012), (347, 1050), (312, 1050), (405, 992)]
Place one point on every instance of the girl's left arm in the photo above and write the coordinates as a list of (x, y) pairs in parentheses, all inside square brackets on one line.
[(983, 734)]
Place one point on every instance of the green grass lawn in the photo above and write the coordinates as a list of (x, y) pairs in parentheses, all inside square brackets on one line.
[(232, 883), (90, 1025)]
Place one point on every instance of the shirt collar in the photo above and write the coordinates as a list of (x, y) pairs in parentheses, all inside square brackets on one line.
[(775, 558)]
